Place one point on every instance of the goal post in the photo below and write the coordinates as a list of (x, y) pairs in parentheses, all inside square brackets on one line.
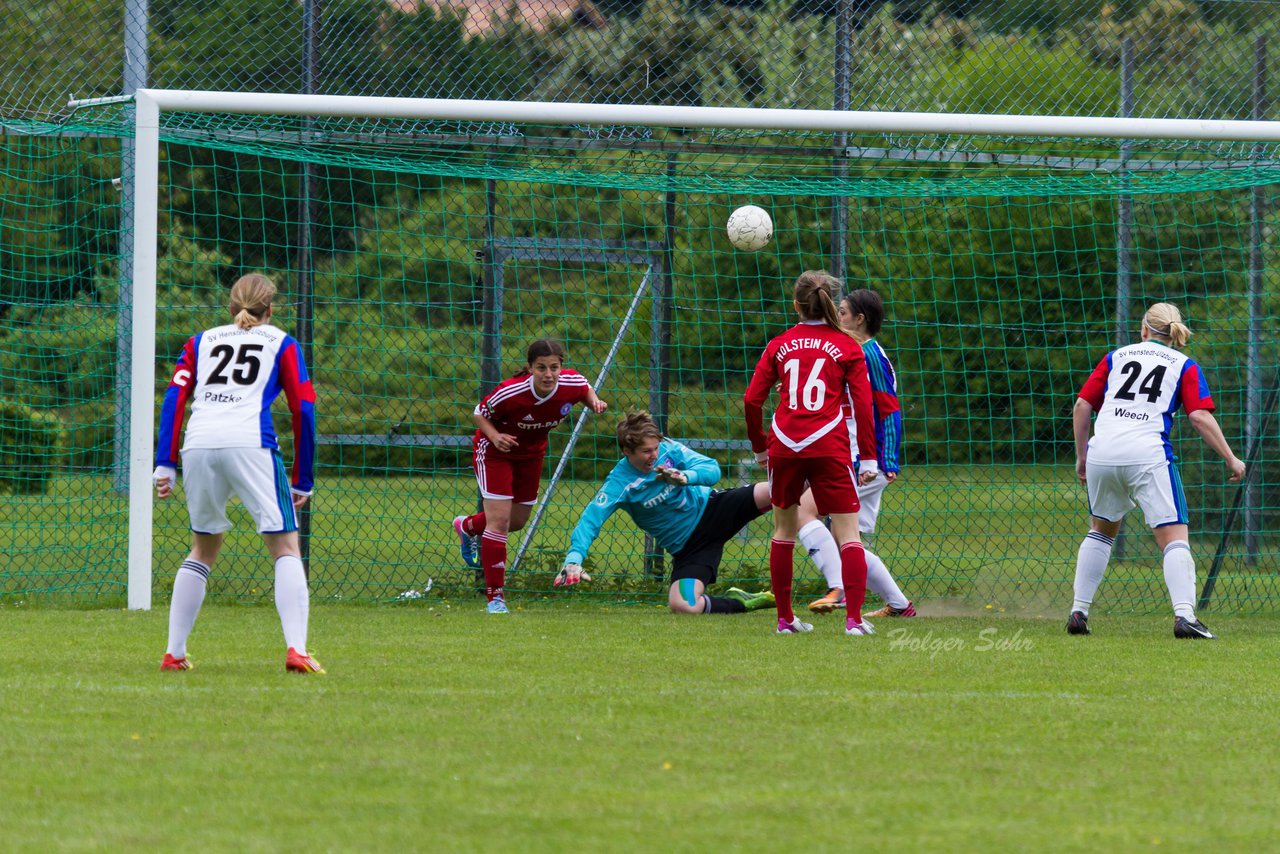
[(1214, 157)]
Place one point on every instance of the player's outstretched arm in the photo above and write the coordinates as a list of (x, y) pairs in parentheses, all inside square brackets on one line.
[(594, 515), (593, 402), (1207, 426)]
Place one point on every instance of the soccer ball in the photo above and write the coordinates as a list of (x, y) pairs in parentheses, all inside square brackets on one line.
[(750, 228)]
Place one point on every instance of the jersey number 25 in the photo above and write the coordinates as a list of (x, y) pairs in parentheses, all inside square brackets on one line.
[(247, 364)]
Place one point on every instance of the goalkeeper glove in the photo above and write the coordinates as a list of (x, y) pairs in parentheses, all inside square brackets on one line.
[(570, 575)]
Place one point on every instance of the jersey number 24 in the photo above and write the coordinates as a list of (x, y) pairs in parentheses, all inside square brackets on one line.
[(1149, 387)]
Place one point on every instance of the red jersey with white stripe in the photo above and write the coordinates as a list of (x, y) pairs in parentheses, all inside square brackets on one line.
[(1135, 390), (516, 408), (231, 376), (819, 369)]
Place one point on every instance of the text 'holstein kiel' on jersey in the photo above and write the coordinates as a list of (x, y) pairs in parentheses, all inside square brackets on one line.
[(231, 376)]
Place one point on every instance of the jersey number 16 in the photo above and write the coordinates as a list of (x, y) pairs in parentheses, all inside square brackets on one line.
[(814, 393)]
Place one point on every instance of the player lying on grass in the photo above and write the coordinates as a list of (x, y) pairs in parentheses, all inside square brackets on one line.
[(230, 375), (817, 369), (861, 314), (509, 444), (1129, 462), (666, 489)]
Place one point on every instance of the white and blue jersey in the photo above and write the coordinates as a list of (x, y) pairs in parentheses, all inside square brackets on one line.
[(231, 376), (1136, 390), (666, 512)]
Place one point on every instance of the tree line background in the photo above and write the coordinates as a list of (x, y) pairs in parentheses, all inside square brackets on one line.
[(998, 306)]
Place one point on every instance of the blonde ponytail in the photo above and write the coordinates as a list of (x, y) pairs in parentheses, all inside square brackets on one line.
[(1165, 321), (251, 297)]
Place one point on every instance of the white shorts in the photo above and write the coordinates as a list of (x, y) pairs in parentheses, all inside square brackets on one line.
[(210, 476), (1155, 487), (869, 498)]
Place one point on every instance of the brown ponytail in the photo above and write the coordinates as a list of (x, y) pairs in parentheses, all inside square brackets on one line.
[(815, 297)]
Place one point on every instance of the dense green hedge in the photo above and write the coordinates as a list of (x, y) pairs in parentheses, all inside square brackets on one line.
[(29, 442)]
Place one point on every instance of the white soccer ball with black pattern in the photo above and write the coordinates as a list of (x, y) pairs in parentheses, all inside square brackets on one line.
[(750, 228)]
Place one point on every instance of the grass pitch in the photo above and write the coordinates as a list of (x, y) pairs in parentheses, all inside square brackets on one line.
[(605, 728)]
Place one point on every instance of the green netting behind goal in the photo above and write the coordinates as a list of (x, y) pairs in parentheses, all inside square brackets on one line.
[(1004, 264)]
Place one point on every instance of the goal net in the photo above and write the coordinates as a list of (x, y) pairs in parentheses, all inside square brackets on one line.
[(419, 252)]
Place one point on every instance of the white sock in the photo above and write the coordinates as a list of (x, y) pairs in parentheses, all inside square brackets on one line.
[(188, 595), (1091, 565), (881, 583), (823, 551), (1180, 578), (292, 601)]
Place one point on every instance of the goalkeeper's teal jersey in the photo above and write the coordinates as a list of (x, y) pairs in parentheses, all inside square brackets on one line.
[(668, 513)]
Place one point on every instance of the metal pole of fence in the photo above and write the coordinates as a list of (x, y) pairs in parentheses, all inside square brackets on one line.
[(1253, 380), (490, 315), (491, 297), (305, 240), (664, 299), (136, 60), (1124, 229), (840, 166), (532, 527)]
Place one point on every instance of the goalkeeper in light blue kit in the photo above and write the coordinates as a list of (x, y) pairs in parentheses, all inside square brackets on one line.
[(666, 489)]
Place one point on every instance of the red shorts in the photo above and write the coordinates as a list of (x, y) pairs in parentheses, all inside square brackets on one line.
[(832, 480), (502, 477)]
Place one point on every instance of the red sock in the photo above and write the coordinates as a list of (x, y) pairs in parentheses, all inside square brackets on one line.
[(781, 554), (474, 525), (853, 572), (493, 557)]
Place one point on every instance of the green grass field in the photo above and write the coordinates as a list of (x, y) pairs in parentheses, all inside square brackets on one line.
[(626, 728)]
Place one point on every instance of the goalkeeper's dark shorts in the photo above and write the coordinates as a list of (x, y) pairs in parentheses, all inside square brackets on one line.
[(728, 511)]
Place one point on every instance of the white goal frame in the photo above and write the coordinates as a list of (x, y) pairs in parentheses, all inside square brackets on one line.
[(148, 104)]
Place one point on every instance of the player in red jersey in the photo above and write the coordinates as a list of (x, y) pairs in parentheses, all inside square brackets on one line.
[(817, 367), (514, 420), (862, 315)]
